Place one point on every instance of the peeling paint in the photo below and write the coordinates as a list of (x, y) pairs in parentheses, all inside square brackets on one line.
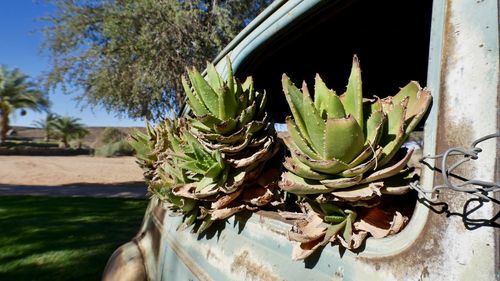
[(252, 269)]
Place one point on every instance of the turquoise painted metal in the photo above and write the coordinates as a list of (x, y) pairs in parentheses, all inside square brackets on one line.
[(463, 75)]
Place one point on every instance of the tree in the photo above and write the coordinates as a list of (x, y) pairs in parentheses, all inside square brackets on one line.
[(68, 128), (47, 124), (128, 55), (17, 92)]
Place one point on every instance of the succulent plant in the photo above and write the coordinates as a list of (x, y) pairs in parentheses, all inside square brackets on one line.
[(230, 117), (341, 144), (208, 165), (343, 152)]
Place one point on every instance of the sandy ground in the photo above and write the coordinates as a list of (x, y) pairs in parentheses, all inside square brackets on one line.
[(72, 176), (65, 170)]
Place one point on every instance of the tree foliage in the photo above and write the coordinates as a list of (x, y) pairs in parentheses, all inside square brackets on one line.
[(17, 92), (47, 124), (68, 128), (128, 55)]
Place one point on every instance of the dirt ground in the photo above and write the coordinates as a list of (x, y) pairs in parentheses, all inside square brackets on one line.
[(64, 170)]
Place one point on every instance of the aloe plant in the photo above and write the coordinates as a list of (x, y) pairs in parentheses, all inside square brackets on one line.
[(341, 143), (230, 116), (208, 165), (343, 147)]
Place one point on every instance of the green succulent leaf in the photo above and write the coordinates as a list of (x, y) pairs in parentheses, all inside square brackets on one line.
[(374, 127), (353, 97), (344, 139), (295, 101), (247, 87), (248, 114), (302, 170), (419, 101), (326, 101), (227, 103), (315, 125), (363, 167), (207, 94), (230, 77), (332, 166), (299, 140), (213, 78), (395, 134), (226, 127)]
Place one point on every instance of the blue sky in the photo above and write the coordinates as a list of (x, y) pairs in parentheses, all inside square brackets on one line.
[(20, 47)]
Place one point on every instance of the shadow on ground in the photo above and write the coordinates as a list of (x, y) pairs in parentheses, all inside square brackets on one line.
[(124, 190), (47, 238)]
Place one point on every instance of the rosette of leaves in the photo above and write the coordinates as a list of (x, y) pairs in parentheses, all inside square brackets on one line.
[(343, 148), (154, 151), (230, 117)]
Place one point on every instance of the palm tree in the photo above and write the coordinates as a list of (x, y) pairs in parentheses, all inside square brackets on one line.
[(16, 92), (68, 128), (47, 124)]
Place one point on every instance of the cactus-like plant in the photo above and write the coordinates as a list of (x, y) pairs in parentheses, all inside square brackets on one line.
[(230, 117), (208, 165), (343, 147)]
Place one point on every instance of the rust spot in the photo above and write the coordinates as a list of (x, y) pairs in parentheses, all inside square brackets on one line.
[(252, 269)]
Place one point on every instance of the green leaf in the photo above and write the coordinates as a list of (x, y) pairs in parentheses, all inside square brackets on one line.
[(247, 115), (227, 104), (315, 125), (348, 228), (331, 167), (394, 138), (261, 100), (226, 127), (299, 140), (344, 139), (419, 101), (331, 209), (230, 76), (206, 93), (209, 120), (213, 78), (374, 128), (242, 98), (302, 170), (353, 97), (295, 100), (363, 167), (247, 86), (335, 228), (326, 101)]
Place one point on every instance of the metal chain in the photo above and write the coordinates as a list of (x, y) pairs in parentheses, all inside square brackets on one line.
[(476, 187)]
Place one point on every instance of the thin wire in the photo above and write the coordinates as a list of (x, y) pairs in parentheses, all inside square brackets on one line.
[(476, 187)]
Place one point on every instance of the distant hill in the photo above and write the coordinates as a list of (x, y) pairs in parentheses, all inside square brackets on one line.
[(37, 134)]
